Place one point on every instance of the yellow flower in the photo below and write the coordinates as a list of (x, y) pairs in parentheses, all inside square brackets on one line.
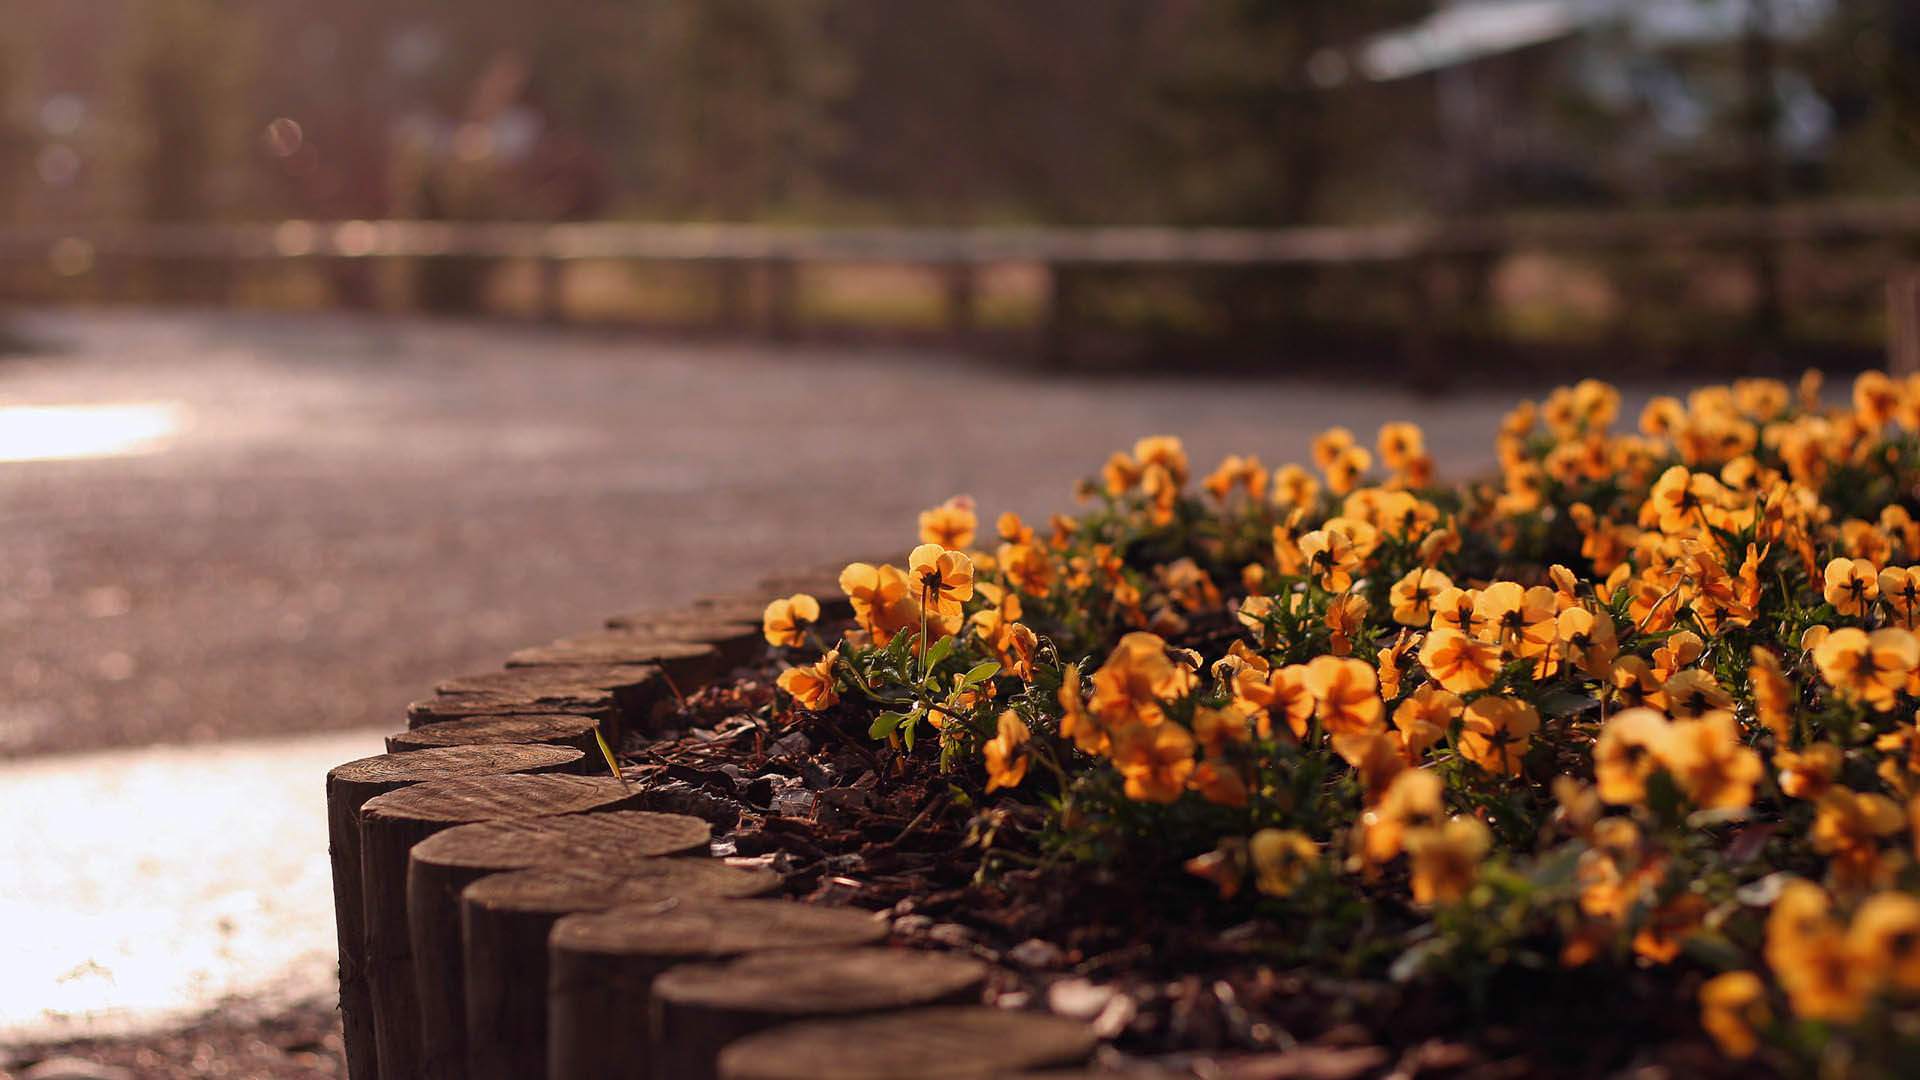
[(1628, 752), (942, 578), (785, 621), (1732, 1006), (1413, 595), (1868, 667), (1458, 662), (1851, 585), (1496, 733), (1005, 753), (813, 686), (1282, 859), (1344, 473), (951, 524), (1345, 693), (1709, 763), (1156, 761), (1446, 860)]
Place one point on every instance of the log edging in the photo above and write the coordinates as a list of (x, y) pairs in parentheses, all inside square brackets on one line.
[(420, 1002)]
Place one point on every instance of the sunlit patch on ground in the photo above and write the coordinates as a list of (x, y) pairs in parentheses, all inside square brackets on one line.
[(141, 888), (56, 432)]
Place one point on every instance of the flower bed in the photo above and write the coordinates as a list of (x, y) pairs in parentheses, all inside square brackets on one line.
[(1642, 709), (1606, 762)]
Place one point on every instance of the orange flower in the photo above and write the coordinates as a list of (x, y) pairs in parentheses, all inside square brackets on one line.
[(1458, 609), (1375, 757), (1138, 675), (1868, 667), (1331, 558), (1005, 753), (1346, 694), (1497, 732), (951, 524), (1458, 662), (1848, 827), (1709, 763), (1423, 719), (813, 686), (1693, 693), (1851, 585), (1413, 595), (942, 578), (1678, 500), (1525, 620), (1156, 761), (1076, 722), (1885, 936), (1808, 953), (1412, 803), (1774, 697), (1732, 1007), (1400, 444), (1279, 693), (1628, 752), (880, 601), (1446, 860), (785, 621), (1809, 773), (1588, 641), (1900, 588)]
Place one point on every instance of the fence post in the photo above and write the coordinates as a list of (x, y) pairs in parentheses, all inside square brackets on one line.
[(1903, 323), (553, 290), (1056, 320), (962, 294), (783, 289)]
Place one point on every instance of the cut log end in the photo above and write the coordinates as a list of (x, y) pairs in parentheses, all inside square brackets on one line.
[(940, 1043), (520, 843), (450, 762), (550, 729), (716, 929)]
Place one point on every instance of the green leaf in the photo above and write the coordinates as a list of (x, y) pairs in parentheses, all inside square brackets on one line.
[(981, 673), (907, 729), (884, 724), (940, 651)]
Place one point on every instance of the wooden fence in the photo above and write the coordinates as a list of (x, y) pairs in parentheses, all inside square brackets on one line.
[(1417, 268)]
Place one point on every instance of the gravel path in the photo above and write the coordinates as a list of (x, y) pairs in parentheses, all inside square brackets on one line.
[(349, 508)]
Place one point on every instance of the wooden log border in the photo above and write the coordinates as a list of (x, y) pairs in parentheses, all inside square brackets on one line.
[(532, 944)]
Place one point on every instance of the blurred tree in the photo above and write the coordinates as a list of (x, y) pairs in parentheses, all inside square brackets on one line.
[(190, 118)]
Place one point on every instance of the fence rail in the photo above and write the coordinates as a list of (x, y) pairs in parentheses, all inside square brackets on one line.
[(1413, 255)]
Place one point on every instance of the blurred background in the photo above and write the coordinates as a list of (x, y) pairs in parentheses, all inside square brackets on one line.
[(1593, 176), (347, 346)]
